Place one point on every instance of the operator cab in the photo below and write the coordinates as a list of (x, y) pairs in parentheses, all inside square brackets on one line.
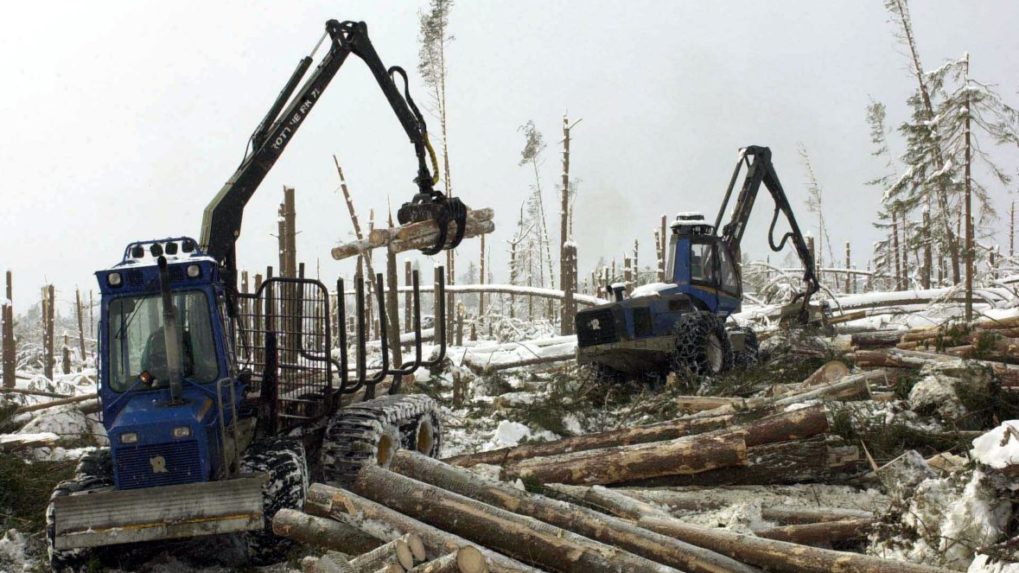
[(161, 435), (702, 265)]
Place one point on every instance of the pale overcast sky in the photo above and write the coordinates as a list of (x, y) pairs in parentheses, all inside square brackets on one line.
[(123, 119)]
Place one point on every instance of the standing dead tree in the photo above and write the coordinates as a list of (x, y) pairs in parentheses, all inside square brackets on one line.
[(81, 326), (48, 316), (567, 250), (9, 346)]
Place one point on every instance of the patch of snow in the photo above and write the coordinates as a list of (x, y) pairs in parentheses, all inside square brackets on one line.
[(976, 519), (509, 434), (983, 564), (650, 289), (998, 448), (14, 554)]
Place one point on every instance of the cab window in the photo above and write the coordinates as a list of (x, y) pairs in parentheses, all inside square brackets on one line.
[(730, 280), (702, 263)]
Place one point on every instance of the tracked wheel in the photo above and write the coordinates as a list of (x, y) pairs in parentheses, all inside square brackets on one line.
[(284, 461), (370, 433), (702, 345)]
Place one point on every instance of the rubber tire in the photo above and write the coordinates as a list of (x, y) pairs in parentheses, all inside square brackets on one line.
[(694, 332), (751, 353), (353, 435), (94, 470), (284, 460)]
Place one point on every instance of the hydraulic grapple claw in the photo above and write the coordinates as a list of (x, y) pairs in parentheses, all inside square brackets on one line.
[(436, 207)]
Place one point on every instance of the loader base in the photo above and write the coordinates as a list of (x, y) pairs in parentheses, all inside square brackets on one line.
[(630, 356), (111, 517)]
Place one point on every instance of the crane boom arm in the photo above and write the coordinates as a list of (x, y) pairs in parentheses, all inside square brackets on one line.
[(221, 222), (760, 170)]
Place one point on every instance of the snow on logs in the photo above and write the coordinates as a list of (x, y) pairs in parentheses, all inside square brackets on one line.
[(415, 235)]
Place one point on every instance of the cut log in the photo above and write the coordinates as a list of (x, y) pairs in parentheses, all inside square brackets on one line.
[(779, 555), (831, 372), (323, 533), (38, 440), (792, 515), (611, 501), (682, 456), (525, 538), (787, 426), (1008, 374), (414, 235), (33, 393), (586, 522), (876, 338), (638, 435), (824, 533), (851, 388), (464, 560), (385, 523), (326, 565), (702, 403), (396, 551), (802, 461)]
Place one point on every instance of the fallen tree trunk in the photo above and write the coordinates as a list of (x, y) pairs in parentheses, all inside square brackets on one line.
[(639, 435), (464, 560), (876, 338), (778, 555), (824, 533), (855, 387), (792, 515), (608, 500), (385, 523), (322, 533), (415, 235), (682, 456), (33, 393), (586, 522), (802, 461), (54, 403), (899, 358), (524, 538)]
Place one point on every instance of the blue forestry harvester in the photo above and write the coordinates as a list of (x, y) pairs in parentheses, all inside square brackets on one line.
[(680, 325), (217, 401)]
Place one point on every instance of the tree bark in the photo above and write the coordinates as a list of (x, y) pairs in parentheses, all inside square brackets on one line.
[(824, 533), (524, 538), (778, 555), (385, 523), (682, 456), (580, 520), (321, 532), (803, 461), (792, 515)]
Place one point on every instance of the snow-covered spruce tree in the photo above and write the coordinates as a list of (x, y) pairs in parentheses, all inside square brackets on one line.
[(970, 114), (887, 260), (926, 176)]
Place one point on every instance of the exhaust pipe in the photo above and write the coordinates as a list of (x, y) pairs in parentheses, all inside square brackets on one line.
[(170, 337)]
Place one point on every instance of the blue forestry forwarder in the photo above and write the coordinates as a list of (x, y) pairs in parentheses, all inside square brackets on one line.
[(680, 325), (215, 401)]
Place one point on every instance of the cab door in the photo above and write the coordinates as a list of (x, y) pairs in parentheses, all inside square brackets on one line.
[(730, 287)]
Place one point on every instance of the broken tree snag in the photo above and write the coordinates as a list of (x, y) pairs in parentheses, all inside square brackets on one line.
[(801, 461), (824, 533), (396, 551), (385, 523), (792, 515), (639, 435), (682, 456), (587, 522), (524, 538), (415, 235), (323, 533), (464, 560), (778, 555)]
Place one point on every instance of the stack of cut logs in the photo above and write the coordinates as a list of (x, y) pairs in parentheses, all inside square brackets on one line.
[(990, 343), (424, 509)]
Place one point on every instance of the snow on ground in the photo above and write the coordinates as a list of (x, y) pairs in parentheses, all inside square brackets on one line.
[(14, 555)]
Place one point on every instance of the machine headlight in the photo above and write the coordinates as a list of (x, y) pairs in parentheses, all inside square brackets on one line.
[(114, 279), (182, 431), (129, 438), (194, 271)]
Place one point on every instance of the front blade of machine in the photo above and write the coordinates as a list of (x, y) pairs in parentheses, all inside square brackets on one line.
[(113, 517)]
